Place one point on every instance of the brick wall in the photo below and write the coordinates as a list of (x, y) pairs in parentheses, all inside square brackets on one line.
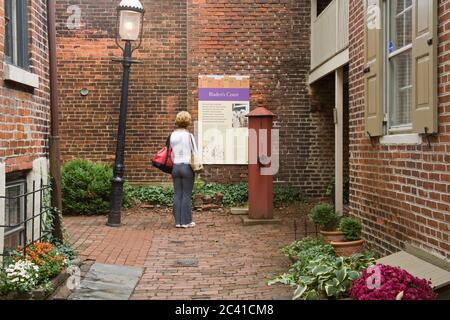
[(157, 87), (25, 113), (267, 40), (402, 193)]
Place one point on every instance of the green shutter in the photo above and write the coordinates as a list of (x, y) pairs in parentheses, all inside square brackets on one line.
[(373, 70), (424, 70)]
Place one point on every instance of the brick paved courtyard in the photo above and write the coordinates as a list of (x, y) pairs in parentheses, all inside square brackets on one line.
[(219, 259)]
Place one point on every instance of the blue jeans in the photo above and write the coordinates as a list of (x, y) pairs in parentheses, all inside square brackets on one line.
[(183, 183)]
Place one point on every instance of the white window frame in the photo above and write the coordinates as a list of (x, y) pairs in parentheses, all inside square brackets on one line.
[(399, 129), (16, 64)]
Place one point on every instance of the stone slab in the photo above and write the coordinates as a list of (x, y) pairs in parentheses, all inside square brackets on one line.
[(239, 211), (108, 282), (246, 221), (417, 267)]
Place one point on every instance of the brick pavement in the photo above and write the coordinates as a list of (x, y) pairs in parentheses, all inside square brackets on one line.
[(225, 259)]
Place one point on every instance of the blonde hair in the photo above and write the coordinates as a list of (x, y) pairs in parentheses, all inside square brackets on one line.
[(183, 119)]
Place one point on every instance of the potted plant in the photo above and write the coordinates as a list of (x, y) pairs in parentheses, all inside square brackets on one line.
[(352, 242), (324, 216)]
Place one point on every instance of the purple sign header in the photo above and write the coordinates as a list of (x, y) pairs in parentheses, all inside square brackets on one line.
[(222, 94)]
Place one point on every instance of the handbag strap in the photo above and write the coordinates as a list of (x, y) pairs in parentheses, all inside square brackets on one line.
[(168, 141), (168, 148), (190, 142)]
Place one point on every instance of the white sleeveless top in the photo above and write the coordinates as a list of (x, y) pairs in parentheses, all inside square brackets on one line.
[(181, 143)]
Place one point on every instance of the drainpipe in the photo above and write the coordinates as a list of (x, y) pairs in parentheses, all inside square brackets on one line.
[(55, 161)]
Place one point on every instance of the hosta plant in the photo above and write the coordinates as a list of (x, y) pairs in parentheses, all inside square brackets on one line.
[(297, 248), (331, 277), (320, 274), (304, 251)]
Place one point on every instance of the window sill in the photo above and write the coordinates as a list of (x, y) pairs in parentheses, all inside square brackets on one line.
[(396, 139), (18, 75)]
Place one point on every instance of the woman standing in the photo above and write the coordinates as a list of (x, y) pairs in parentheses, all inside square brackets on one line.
[(183, 144)]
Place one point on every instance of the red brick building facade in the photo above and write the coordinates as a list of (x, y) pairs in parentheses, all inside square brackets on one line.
[(400, 191), (24, 112), (266, 40)]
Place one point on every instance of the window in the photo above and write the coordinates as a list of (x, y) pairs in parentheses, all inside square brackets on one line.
[(399, 63), (16, 33), (14, 214), (401, 67)]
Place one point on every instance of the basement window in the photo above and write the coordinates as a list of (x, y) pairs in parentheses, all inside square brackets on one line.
[(14, 214)]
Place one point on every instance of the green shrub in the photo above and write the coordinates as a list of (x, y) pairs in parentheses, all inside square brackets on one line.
[(324, 217), (351, 228), (285, 195), (298, 247), (233, 194), (155, 195), (86, 188)]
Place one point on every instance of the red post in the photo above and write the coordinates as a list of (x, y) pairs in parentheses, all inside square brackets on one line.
[(260, 186)]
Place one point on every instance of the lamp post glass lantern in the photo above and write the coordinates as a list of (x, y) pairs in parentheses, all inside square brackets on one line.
[(130, 18)]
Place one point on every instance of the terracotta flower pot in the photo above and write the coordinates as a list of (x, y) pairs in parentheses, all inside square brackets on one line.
[(347, 248), (329, 236)]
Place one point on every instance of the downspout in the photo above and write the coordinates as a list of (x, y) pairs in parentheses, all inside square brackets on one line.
[(55, 161)]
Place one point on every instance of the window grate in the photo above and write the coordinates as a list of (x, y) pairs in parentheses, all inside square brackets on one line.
[(36, 219)]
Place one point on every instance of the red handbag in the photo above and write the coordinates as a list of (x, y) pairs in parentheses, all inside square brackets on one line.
[(163, 159)]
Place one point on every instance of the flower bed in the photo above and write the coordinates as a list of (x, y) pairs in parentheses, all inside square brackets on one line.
[(35, 272), (318, 273), (383, 282)]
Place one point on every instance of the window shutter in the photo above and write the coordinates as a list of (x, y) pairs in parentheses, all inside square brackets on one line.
[(373, 52), (424, 70)]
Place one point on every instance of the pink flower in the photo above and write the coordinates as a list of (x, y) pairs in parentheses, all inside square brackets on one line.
[(393, 281)]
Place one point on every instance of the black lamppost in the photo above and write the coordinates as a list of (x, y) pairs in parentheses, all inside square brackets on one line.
[(130, 18)]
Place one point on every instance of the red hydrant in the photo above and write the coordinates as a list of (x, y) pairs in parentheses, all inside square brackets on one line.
[(260, 177)]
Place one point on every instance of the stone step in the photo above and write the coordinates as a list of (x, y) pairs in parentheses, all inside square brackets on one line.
[(239, 211), (107, 282)]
